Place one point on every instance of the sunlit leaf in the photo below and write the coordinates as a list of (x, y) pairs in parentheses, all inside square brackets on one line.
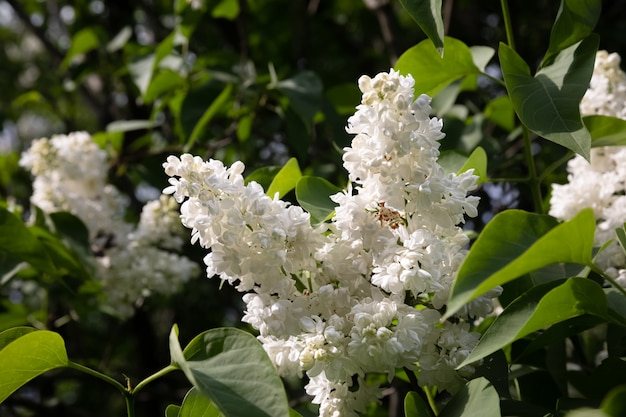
[(141, 71), (478, 398), (606, 130), (516, 242), (286, 179), (540, 307), (172, 410), (230, 367), (575, 21), (313, 194), (478, 162), (83, 41), (227, 9), (548, 103), (29, 356), (614, 403), (415, 406), (427, 14), (433, 73), (130, 125), (118, 42)]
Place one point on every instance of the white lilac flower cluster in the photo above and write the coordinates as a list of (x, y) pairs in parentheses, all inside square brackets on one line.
[(133, 261), (362, 293), (600, 184)]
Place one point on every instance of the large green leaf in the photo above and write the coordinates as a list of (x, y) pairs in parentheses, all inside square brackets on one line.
[(433, 73), (478, 398), (18, 241), (313, 194), (427, 14), (540, 307), (231, 368), (286, 179), (606, 130), (29, 356), (574, 22), (515, 243), (548, 103), (415, 406)]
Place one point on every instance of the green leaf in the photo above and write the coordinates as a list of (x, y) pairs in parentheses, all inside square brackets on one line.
[(606, 130), (118, 42), (18, 241), (172, 410), (208, 115), (548, 103), (427, 14), (540, 307), (452, 161), (575, 21), (433, 73), (14, 333), (231, 368), (28, 357), (263, 176), (621, 236), (286, 179), (228, 9), (478, 398), (614, 404), (164, 82), (500, 111), (141, 71), (83, 41), (197, 405), (477, 161), (515, 243), (313, 194), (130, 125), (415, 406)]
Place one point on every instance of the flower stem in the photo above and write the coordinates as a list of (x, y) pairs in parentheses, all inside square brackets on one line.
[(533, 179), (99, 375), (508, 26), (152, 377)]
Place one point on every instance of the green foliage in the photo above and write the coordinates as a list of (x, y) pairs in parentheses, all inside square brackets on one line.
[(27, 355), (548, 102), (542, 306), (457, 63), (230, 367), (524, 242), (313, 194), (427, 14)]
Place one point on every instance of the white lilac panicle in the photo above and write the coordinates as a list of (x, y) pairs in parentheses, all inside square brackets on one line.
[(359, 294), (600, 184), (133, 261)]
